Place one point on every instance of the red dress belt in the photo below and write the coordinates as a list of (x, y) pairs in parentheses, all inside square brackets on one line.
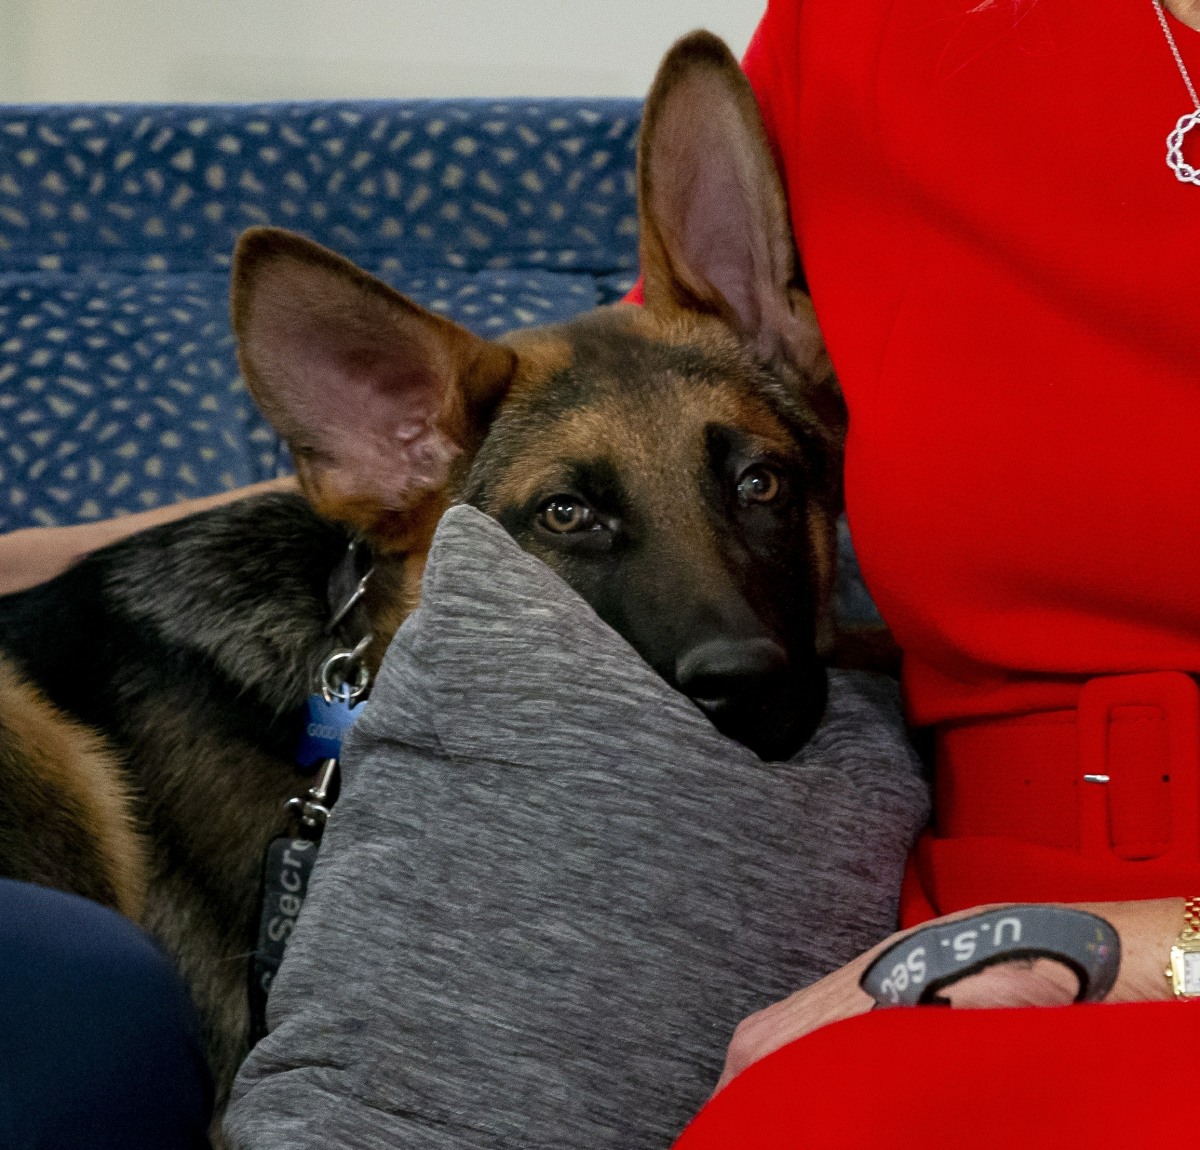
[(1096, 803)]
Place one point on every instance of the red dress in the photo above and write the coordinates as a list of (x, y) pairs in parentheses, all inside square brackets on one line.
[(1008, 277)]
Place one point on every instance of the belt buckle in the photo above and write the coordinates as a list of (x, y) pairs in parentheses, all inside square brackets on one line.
[(1129, 788)]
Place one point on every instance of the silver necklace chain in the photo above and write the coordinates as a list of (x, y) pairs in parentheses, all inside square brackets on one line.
[(1184, 172), (1162, 19)]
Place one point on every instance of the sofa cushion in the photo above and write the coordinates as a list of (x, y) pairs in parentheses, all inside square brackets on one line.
[(402, 185), (119, 387)]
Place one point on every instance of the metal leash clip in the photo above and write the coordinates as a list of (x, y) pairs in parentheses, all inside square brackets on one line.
[(312, 811), (341, 682)]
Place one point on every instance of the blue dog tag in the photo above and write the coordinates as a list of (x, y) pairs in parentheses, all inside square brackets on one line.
[(325, 725)]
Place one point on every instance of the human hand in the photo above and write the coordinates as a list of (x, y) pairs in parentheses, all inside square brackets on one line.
[(832, 998), (1146, 929)]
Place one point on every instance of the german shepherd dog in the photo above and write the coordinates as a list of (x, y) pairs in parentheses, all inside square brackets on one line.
[(678, 464)]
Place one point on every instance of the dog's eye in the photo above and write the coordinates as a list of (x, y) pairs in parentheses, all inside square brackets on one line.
[(759, 484), (563, 514)]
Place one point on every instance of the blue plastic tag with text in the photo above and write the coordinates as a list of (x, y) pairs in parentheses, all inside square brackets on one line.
[(325, 725)]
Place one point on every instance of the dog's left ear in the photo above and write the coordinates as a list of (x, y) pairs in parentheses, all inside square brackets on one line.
[(376, 397), (715, 236)]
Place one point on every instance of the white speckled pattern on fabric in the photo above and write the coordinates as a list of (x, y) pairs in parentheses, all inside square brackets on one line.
[(550, 888), (119, 389)]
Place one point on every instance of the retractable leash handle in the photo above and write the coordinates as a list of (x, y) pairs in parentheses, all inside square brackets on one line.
[(933, 957)]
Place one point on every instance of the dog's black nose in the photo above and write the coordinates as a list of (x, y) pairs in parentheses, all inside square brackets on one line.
[(716, 670)]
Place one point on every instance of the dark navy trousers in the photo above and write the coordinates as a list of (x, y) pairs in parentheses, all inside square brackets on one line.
[(99, 1046)]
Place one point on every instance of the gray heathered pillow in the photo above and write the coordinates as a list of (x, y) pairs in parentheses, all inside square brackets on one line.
[(550, 888)]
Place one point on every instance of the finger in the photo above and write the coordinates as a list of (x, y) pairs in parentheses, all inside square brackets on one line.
[(833, 998), (1022, 982)]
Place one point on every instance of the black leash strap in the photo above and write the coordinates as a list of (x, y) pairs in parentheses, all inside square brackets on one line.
[(341, 683), (921, 964), (286, 870)]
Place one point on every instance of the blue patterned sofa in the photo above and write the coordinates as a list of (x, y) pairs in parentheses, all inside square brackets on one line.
[(119, 388)]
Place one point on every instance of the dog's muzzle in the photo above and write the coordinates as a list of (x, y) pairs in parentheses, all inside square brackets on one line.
[(753, 692)]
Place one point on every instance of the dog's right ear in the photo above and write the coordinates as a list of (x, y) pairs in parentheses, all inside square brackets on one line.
[(375, 396), (715, 236)]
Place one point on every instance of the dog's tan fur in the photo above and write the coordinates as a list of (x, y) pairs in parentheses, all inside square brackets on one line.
[(66, 777)]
